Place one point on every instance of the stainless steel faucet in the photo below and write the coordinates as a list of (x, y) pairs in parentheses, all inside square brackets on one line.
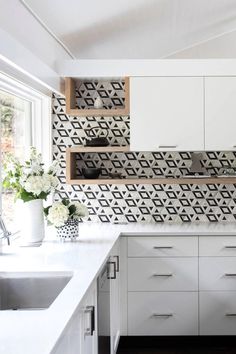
[(4, 232)]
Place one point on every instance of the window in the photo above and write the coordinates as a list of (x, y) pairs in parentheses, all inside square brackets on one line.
[(24, 121)]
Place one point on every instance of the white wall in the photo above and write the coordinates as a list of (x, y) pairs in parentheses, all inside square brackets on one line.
[(24, 42)]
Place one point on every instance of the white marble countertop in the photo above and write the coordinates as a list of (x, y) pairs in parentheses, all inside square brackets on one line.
[(36, 332)]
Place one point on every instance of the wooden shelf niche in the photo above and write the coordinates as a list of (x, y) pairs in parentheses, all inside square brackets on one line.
[(73, 179), (116, 105)]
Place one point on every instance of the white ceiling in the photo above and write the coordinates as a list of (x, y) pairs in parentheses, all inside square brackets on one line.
[(134, 29)]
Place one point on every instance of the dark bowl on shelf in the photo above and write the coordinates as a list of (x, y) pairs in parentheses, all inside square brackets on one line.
[(91, 173)]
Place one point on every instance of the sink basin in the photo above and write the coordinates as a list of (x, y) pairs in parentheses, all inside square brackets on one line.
[(31, 290)]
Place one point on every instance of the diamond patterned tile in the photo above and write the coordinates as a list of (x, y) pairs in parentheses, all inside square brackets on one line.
[(137, 203)]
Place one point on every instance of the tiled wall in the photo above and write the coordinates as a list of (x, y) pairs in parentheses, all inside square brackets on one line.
[(142, 203)]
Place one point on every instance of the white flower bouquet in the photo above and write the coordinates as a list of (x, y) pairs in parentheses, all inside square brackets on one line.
[(59, 213), (29, 179)]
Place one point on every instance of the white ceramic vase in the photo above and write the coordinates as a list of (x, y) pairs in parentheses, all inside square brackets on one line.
[(30, 220)]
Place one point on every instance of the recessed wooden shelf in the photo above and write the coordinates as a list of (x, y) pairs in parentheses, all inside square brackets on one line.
[(80, 149), (71, 171), (72, 109)]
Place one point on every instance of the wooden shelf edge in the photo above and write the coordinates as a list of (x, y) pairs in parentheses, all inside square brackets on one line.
[(97, 112), (80, 149), (210, 180)]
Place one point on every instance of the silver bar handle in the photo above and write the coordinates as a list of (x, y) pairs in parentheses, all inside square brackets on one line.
[(117, 263), (230, 274), (163, 275), (167, 146), (230, 246), (230, 314), (162, 315), (162, 247), (111, 270), (89, 330)]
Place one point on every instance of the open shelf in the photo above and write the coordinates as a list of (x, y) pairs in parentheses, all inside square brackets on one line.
[(71, 85), (71, 168)]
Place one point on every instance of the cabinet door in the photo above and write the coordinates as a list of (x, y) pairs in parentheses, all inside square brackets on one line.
[(166, 113), (220, 113), (115, 305), (88, 323), (217, 313), (70, 341)]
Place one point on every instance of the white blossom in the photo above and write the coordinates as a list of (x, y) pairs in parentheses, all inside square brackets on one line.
[(34, 185), (81, 210), (29, 176), (58, 214)]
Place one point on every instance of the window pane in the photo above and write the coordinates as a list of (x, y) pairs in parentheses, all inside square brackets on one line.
[(15, 115)]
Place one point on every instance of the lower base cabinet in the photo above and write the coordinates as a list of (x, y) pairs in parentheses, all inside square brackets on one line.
[(217, 312), (175, 287), (80, 336), (163, 313)]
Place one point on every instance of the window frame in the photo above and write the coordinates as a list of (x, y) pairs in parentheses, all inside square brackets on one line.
[(41, 117)]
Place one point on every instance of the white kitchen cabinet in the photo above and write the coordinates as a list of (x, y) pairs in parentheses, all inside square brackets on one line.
[(220, 113), (217, 313), (162, 313), (162, 285), (163, 246), (167, 113), (163, 274), (80, 336), (88, 322), (115, 301), (217, 273), (216, 246)]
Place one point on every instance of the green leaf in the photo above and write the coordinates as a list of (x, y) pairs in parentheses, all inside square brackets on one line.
[(46, 210), (25, 196), (65, 202), (72, 209), (42, 195)]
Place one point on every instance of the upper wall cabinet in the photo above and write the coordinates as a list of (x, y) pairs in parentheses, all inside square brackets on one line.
[(103, 97), (167, 113), (220, 113)]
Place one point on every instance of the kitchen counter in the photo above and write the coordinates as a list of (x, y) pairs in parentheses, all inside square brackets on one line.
[(36, 332)]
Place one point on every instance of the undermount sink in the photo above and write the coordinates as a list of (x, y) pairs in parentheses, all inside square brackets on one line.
[(31, 290)]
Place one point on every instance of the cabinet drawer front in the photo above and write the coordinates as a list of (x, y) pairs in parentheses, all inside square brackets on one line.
[(217, 313), (217, 273), (162, 246), (217, 246), (165, 274), (163, 313)]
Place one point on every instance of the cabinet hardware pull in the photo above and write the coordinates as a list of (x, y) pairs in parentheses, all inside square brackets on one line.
[(230, 314), (167, 146), (230, 274), (163, 275), (117, 263), (162, 247), (230, 246), (90, 310), (109, 272), (162, 315)]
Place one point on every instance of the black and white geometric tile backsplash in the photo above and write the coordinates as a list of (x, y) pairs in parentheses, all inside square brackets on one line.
[(111, 93), (140, 203)]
